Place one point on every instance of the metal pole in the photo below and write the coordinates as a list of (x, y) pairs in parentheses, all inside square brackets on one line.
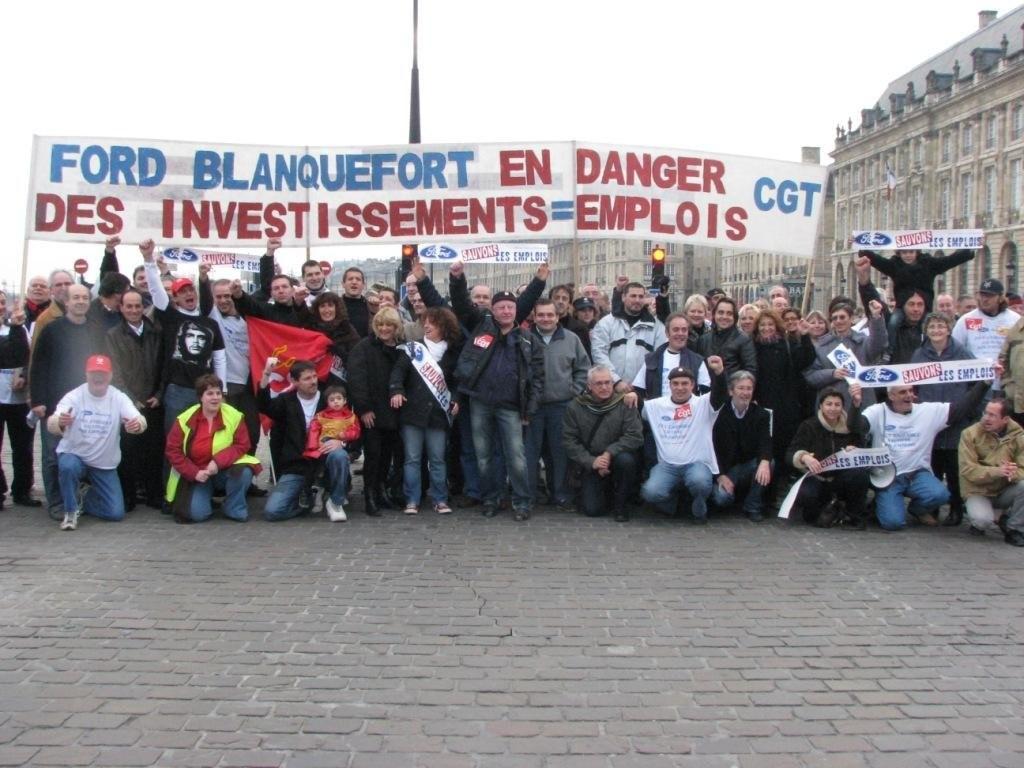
[(414, 92)]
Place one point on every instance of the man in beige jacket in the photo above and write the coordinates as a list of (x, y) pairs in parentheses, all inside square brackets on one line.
[(991, 454)]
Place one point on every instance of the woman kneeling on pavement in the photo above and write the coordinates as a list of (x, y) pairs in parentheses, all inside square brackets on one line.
[(208, 449), (827, 432)]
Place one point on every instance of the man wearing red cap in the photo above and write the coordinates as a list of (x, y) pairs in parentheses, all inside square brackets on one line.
[(88, 420), (193, 344)]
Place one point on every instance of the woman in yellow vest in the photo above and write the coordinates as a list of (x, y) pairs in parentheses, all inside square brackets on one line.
[(208, 449)]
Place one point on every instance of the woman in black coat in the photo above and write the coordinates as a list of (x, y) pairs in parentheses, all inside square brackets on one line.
[(423, 420), (369, 376), (831, 430), (781, 360), (328, 315)]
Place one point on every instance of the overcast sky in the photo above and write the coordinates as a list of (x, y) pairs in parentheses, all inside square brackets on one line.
[(743, 78)]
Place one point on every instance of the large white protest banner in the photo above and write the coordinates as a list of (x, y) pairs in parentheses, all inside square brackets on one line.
[(218, 195)]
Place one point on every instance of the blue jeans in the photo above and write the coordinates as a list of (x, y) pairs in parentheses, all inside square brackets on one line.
[(546, 425), (103, 499), (176, 400), (665, 480), (490, 421), (467, 456), (51, 478), (283, 502), (233, 482), (436, 440), (926, 493), (742, 476)]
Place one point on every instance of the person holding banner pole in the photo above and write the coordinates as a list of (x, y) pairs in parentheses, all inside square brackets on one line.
[(830, 430), (939, 347), (421, 387), (909, 431)]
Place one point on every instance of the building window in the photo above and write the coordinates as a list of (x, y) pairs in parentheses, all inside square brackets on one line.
[(872, 165), (918, 151), (856, 178), (968, 137), (841, 223), (966, 192), (1015, 190), (990, 132), (916, 198), (943, 202), (883, 218), (856, 218), (869, 216), (947, 146), (1017, 125), (990, 189)]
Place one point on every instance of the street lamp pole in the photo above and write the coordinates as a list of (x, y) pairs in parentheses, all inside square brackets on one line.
[(414, 92)]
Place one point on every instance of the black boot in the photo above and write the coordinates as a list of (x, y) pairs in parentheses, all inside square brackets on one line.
[(370, 505), (382, 499), (955, 516)]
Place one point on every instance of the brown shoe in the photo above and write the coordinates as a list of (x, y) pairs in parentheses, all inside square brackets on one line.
[(927, 518)]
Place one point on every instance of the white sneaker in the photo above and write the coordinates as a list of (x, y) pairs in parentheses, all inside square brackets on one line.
[(336, 512), (319, 494), (70, 521)]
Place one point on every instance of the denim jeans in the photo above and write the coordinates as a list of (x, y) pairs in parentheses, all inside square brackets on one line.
[(176, 400), (546, 426), (233, 482), (470, 469), (51, 478), (283, 502), (467, 457), (103, 499), (742, 476), (665, 480), (926, 493), (490, 422), (436, 441)]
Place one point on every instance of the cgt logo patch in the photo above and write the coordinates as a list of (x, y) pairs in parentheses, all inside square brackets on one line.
[(483, 341)]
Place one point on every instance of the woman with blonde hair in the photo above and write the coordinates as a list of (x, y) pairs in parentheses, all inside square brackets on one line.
[(747, 320), (369, 377)]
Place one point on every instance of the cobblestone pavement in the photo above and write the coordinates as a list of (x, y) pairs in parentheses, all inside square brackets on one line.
[(460, 641)]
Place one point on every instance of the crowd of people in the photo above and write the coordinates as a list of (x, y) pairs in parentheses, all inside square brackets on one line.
[(574, 397)]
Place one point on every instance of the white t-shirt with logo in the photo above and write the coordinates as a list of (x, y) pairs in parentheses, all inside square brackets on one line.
[(95, 434), (982, 335), (669, 361), (909, 436), (682, 433)]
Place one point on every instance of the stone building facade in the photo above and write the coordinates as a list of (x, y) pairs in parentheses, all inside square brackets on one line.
[(951, 131)]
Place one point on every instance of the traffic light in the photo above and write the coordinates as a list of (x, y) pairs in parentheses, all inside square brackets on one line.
[(658, 255), (410, 253)]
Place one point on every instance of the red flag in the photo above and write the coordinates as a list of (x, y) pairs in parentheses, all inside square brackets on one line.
[(288, 344)]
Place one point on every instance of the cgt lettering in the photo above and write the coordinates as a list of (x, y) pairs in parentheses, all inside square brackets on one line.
[(786, 195), (142, 167)]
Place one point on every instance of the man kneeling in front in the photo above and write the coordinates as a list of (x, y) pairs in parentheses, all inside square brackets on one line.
[(88, 420)]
